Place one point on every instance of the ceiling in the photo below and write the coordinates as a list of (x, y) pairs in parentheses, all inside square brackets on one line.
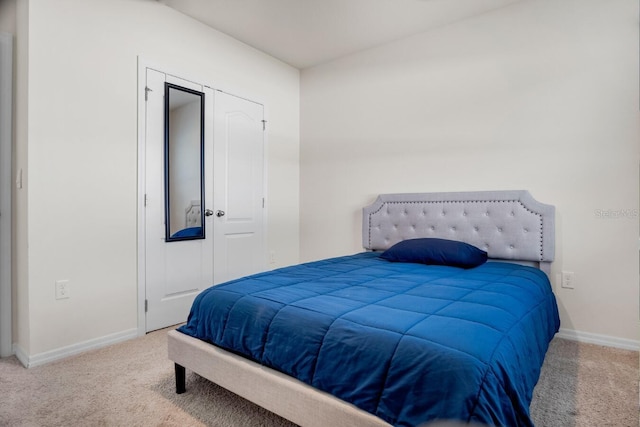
[(304, 33)]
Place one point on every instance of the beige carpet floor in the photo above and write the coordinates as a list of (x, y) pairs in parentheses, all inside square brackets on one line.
[(132, 384)]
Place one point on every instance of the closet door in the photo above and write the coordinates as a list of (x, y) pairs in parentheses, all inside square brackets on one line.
[(178, 196), (238, 187), (176, 264)]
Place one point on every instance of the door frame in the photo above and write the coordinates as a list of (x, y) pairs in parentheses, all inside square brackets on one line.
[(6, 140), (143, 65)]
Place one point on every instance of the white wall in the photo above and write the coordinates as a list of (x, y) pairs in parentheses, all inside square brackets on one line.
[(82, 154), (541, 95)]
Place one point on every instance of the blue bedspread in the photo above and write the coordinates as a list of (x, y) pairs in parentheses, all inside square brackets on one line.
[(408, 343)]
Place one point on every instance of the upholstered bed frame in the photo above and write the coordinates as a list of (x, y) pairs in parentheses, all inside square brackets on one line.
[(193, 214), (509, 225)]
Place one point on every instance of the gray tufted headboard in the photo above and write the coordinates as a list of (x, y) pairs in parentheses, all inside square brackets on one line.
[(508, 225), (193, 214)]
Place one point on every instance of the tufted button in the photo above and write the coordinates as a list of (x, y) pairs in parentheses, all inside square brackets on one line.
[(512, 213), (511, 247), (464, 214), (443, 213), (432, 228), (475, 229), (526, 230), (486, 213), (499, 229), (453, 228)]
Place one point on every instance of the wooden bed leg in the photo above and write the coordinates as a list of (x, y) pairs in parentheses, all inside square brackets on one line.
[(180, 379)]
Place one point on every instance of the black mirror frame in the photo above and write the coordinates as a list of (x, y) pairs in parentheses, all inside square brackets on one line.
[(167, 195)]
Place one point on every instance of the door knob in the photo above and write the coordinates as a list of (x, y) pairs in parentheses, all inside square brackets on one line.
[(208, 212), (220, 213)]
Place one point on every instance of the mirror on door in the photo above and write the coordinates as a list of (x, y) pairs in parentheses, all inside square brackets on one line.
[(184, 163)]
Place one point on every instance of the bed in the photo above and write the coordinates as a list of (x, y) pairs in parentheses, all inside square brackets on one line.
[(192, 221), (363, 341)]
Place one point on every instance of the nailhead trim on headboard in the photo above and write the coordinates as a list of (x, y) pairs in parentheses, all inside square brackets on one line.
[(499, 222)]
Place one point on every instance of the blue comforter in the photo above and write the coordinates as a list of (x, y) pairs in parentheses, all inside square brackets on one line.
[(408, 343)]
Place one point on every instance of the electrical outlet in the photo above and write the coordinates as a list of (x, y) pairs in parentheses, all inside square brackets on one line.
[(568, 280), (62, 289)]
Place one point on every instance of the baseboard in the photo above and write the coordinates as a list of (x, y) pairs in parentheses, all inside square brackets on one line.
[(30, 361), (605, 340)]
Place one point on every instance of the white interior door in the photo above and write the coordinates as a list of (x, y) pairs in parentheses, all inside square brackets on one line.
[(238, 187), (175, 270)]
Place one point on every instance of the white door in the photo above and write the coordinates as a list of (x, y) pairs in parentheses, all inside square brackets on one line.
[(177, 268), (238, 187)]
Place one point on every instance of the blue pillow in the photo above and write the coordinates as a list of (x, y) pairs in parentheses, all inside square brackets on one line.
[(436, 252)]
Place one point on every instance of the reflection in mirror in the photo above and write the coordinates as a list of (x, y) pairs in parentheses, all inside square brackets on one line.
[(184, 163)]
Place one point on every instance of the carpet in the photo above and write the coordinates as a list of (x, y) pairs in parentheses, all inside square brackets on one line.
[(132, 384)]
